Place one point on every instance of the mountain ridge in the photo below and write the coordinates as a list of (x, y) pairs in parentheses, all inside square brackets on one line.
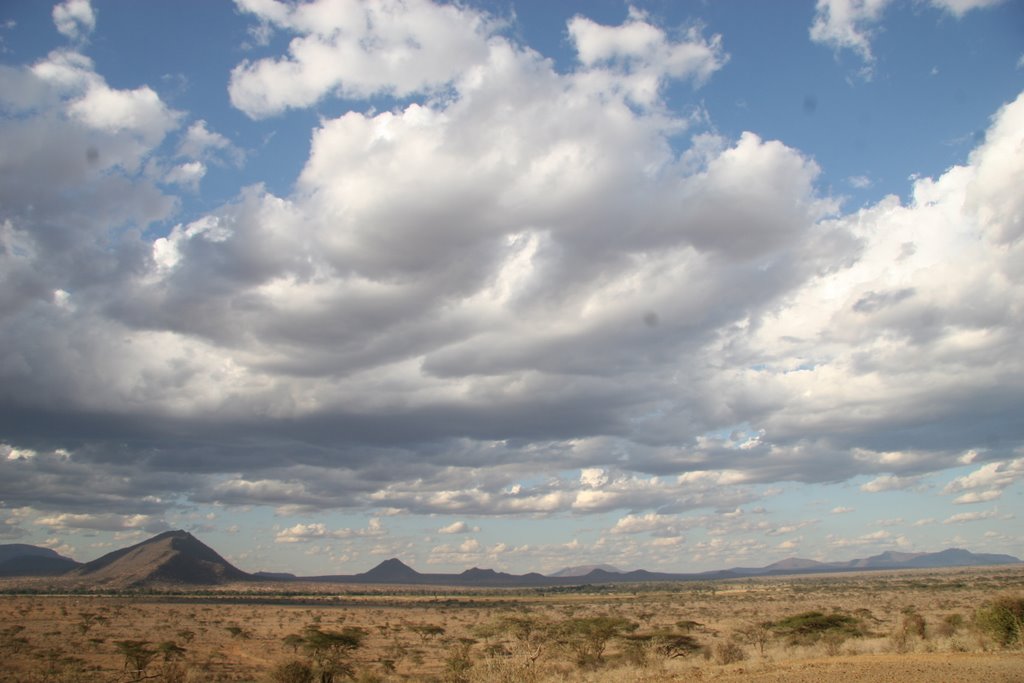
[(178, 557), (21, 559), (388, 572), (584, 569)]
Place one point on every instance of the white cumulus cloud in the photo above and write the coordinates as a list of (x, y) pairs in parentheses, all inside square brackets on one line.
[(75, 19)]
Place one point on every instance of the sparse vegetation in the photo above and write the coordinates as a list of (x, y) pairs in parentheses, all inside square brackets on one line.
[(599, 634), (586, 638), (1003, 620), (809, 627), (728, 652)]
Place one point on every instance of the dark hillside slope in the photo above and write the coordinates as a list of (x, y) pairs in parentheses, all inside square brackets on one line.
[(175, 557)]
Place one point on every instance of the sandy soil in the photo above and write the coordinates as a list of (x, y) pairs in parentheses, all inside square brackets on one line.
[(992, 667)]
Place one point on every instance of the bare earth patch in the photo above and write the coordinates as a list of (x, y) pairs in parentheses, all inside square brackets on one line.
[(955, 667)]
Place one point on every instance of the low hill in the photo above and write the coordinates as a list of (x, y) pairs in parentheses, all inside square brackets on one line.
[(951, 557), (273, 576), (391, 571), (584, 569), (20, 559), (793, 564), (174, 557)]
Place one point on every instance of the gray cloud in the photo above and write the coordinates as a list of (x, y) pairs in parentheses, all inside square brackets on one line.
[(510, 283)]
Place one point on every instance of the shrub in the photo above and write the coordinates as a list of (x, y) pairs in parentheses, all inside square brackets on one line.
[(1003, 620), (170, 650), (913, 623), (458, 663), (728, 652), (687, 625), (833, 643), (950, 624), (237, 632), (295, 671), (808, 628), (173, 672)]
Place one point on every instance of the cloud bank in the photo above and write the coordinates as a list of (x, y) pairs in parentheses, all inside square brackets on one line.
[(519, 291)]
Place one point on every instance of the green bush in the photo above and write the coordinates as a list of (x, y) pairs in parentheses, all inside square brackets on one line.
[(1003, 620), (808, 628)]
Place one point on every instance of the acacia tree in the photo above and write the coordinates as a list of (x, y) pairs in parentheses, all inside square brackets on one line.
[(331, 650), (756, 633), (87, 619), (137, 656), (170, 650), (532, 634), (294, 641), (587, 637), (427, 631)]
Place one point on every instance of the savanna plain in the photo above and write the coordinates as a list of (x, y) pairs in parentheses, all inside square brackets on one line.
[(914, 625)]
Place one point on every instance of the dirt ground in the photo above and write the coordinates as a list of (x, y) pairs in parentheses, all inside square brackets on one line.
[(958, 667), (904, 626)]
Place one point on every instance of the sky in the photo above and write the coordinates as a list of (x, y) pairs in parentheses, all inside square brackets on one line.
[(512, 284)]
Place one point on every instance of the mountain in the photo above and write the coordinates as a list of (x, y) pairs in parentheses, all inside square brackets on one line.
[(584, 569), (950, 557), (20, 559), (175, 557), (794, 564), (396, 572), (391, 571), (273, 576), (9, 551)]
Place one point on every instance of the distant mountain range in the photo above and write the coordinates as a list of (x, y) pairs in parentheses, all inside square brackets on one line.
[(584, 569), (179, 558)]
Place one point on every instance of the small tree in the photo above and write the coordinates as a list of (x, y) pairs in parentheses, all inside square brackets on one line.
[(294, 641), (587, 637), (137, 656), (532, 635), (86, 621), (427, 631), (754, 633), (675, 645), (170, 650), (458, 663), (330, 650)]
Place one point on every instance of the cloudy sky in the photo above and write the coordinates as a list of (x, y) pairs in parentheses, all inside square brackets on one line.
[(512, 284)]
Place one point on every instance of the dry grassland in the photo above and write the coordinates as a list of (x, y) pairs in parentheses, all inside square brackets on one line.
[(899, 626)]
